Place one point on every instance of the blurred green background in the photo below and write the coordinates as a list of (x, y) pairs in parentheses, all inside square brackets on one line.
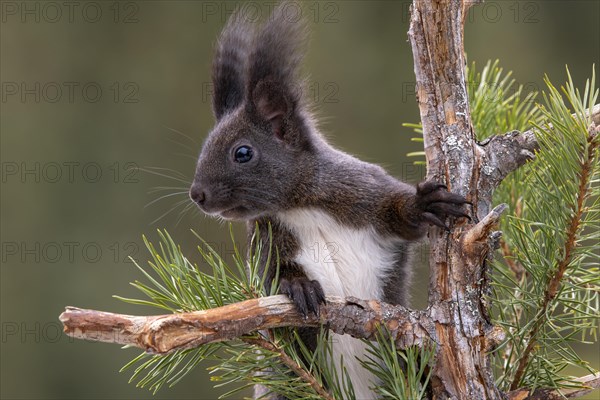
[(95, 93)]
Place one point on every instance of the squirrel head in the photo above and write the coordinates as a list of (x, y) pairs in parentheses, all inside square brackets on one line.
[(259, 154)]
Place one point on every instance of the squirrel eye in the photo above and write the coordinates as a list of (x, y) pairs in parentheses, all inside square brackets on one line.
[(243, 154)]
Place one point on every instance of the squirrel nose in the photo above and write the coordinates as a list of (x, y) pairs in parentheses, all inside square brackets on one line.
[(197, 194)]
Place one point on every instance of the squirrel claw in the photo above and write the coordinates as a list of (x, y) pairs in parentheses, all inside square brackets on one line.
[(431, 218), (437, 203), (427, 187), (306, 295)]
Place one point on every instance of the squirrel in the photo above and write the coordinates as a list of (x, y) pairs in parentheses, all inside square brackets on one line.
[(266, 163)]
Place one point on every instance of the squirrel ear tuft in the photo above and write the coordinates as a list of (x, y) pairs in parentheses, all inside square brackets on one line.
[(229, 69), (271, 104), (273, 64)]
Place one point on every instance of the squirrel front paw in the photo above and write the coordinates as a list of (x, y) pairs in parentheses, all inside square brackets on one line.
[(307, 295), (436, 203)]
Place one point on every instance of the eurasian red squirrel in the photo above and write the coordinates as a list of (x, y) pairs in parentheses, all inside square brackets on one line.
[(266, 163)]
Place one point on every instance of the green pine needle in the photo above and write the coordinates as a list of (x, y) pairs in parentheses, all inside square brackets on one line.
[(543, 198), (173, 283), (405, 374), (497, 104), (550, 235), (553, 223)]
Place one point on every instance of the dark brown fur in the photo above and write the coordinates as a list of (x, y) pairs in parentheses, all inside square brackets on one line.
[(258, 104)]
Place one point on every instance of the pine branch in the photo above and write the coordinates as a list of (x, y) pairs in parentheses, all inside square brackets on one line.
[(155, 333), (164, 334), (516, 268), (544, 197), (589, 383), (292, 365), (505, 153), (520, 275), (482, 231), (571, 241)]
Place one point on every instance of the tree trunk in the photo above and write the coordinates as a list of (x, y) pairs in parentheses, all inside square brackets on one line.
[(458, 279)]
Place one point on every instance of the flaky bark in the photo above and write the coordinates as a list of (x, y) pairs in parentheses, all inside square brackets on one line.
[(502, 154), (458, 261), (458, 279), (590, 382), (163, 334)]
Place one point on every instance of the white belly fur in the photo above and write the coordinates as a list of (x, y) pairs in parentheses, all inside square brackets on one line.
[(347, 262)]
